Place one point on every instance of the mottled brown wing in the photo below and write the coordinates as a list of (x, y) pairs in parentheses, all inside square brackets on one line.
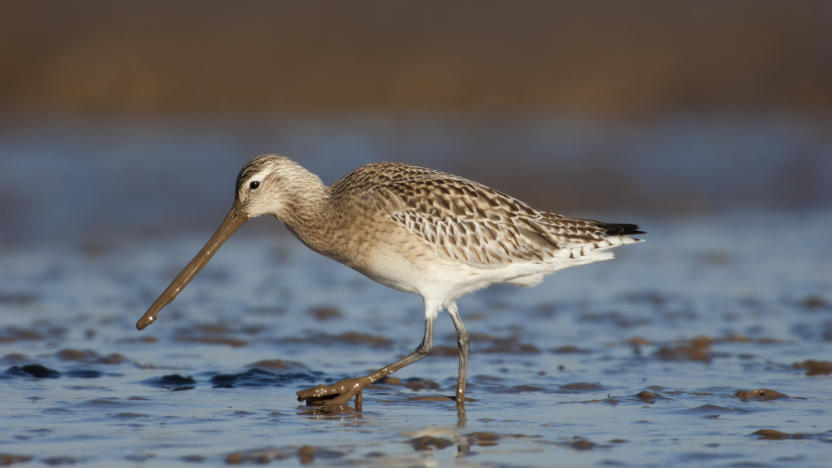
[(471, 223)]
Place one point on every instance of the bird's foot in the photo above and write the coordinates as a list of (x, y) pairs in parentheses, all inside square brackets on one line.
[(336, 395)]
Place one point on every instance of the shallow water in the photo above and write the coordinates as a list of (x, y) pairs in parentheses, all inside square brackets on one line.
[(637, 362), (659, 357)]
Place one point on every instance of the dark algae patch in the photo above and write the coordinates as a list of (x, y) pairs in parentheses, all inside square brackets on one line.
[(760, 394), (84, 373), (12, 333), (773, 434), (581, 444), (427, 442), (305, 454), (7, 459), (570, 349), (647, 396), (257, 456), (89, 356), (61, 460), (814, 302), (578, 387), (276, 365), (325, 313), (696, 349), (815, 367), (434, 398), (173, 382), (33, 370), (483, 439)]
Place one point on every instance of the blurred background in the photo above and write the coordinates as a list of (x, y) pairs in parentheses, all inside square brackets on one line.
[(123, 125), (131, 119)]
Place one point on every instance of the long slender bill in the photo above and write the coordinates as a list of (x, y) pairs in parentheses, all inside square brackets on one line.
[(232, 221)]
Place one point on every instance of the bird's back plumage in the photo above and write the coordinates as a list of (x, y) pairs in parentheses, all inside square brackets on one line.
[(470, 223)]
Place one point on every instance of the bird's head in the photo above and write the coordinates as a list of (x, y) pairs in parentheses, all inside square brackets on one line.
[(274, 184), (267, 184)]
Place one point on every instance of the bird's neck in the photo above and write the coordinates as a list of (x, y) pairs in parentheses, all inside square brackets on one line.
[(305, 212)]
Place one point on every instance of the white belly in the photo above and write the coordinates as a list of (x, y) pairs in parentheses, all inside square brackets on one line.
[(445, 280)]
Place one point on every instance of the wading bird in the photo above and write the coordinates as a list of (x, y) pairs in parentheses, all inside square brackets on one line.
[(414, 229)]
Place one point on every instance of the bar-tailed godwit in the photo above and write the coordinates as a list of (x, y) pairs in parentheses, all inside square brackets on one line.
[(414, 229)]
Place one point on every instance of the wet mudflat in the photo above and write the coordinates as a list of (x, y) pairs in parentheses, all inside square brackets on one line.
[(710, 344)]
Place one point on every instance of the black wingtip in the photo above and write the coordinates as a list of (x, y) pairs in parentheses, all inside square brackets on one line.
[(614, 229)]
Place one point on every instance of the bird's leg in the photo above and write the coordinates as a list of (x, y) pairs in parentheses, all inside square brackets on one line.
[(462, 343), (339, 393)]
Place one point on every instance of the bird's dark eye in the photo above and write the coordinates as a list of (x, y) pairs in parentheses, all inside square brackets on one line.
[(254, 184)]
